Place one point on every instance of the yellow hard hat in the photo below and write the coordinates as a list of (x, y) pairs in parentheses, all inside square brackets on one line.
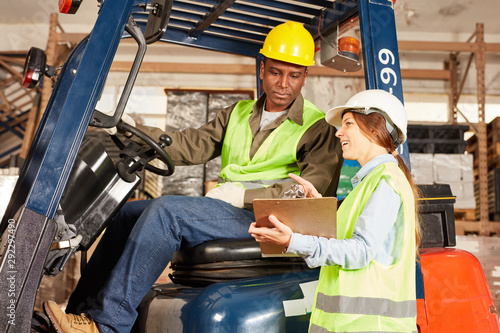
[(290, 42)]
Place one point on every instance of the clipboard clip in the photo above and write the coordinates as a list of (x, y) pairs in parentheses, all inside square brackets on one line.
[(294, 192)]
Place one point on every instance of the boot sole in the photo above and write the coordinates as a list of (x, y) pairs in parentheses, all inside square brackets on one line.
[(52, 318)]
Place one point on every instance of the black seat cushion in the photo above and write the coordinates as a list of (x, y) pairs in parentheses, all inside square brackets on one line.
[(227, 259)]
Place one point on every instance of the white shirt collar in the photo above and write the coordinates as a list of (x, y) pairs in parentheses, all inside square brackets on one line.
[(370, 166)]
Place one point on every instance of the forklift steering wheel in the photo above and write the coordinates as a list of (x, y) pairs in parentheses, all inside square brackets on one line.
[(160, 153)]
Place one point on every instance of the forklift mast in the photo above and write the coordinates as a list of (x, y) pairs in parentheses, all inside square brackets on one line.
[(28, 226)]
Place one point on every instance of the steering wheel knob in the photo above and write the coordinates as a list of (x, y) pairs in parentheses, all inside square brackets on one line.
[(165, 140)]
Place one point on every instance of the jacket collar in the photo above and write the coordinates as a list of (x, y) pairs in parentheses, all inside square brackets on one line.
[(295, 112)]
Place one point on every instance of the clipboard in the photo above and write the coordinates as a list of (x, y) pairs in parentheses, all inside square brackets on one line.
[(307, 216)]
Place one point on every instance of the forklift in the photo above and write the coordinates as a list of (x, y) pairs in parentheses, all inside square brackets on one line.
[(69, 188)]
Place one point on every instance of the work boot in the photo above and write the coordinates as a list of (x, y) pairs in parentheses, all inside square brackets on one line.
[(69, 323)]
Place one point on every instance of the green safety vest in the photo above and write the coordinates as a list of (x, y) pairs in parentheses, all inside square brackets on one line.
[(275, 158), (376, 298)]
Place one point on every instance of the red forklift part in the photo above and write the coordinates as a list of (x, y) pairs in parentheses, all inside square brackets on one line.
[(457, 295)]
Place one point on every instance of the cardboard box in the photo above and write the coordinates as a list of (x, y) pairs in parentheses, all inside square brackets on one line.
[(422, 169), (447, 168), (453, 169), (464, 192)]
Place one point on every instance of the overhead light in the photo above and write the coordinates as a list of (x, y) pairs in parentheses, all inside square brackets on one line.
[(349, 47), (69, 6), (340, 49)]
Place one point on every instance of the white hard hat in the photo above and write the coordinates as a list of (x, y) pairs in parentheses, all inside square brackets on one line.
[(379, 101)]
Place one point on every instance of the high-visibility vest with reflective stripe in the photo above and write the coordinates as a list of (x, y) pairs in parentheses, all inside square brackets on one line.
[(376, 298), (274, 159)]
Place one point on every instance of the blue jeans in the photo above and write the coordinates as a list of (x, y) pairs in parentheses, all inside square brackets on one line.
[(137, 246)]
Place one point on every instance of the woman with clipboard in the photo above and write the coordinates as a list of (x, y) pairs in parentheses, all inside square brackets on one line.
[(367, 278)]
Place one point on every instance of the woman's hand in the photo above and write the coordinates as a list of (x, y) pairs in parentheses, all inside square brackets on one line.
[(308, 188), (279, 234)]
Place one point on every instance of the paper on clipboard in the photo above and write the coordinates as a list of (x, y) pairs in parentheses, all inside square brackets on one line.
[(307, 216)]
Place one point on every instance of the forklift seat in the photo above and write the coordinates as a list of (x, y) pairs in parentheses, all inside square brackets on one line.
[(228, 259)]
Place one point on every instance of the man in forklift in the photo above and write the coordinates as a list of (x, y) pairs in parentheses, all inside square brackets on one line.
[(260, 142)]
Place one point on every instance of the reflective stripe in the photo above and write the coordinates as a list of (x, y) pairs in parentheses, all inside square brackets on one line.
[(319, 329), (366, 306), (252, 184)]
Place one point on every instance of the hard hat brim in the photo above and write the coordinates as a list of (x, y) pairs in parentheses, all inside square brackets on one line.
[(287, 58), (334, 115)]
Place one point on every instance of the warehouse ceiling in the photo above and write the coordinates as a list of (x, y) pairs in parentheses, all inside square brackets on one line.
[(447, 16), (412, 16)]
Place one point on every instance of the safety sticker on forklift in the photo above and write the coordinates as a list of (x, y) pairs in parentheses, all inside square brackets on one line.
[(294, 307), (309, 291), (299, 307)]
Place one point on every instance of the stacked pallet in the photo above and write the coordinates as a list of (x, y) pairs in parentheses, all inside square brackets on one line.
[(493, 160), (493, 144), (437, 139)]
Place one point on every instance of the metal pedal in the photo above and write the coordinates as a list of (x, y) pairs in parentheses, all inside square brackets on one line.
[(40, 323)]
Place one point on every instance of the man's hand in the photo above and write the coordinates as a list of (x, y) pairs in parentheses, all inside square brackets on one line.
[(280, 234), (229, 192), (127, 120), (308, 188)]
